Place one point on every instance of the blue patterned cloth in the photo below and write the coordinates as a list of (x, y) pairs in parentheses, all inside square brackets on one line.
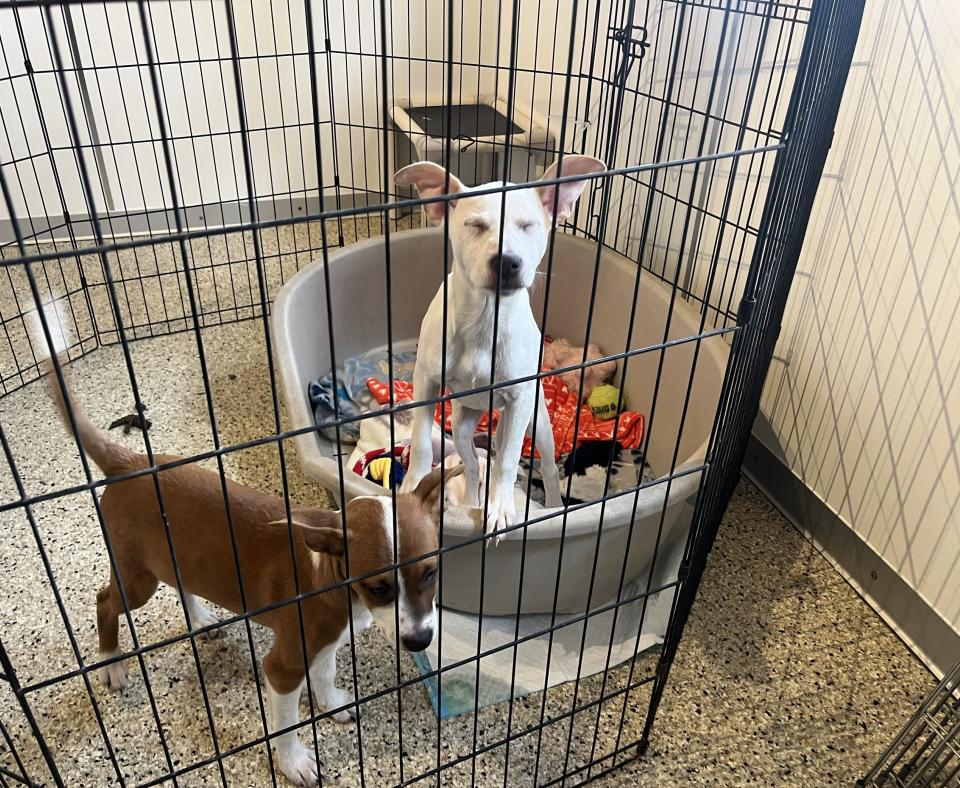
[(354, 398)]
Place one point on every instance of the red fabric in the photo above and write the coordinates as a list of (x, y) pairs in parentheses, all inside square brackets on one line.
[(561, 405)]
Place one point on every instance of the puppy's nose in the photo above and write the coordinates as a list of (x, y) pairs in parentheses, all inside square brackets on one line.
[(510, 263), (505, 264), (506, 268), (418, 641)]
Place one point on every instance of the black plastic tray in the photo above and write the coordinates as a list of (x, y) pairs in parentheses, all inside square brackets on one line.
[(468, 121)]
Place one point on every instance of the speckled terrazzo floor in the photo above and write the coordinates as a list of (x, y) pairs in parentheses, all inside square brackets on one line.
[(785, 676)]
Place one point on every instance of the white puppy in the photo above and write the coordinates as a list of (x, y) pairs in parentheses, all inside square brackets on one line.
[(480, 265)]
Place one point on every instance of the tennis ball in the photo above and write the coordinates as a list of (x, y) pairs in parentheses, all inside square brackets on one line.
[(603, 401)]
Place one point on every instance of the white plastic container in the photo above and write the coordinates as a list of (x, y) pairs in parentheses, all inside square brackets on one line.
[(474, 157), (358, 290)]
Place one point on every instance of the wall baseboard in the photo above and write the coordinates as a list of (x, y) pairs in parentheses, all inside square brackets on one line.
[(45, 229), (923, 630)]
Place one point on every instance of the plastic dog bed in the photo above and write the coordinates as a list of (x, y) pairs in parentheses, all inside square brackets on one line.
[(359, 299)]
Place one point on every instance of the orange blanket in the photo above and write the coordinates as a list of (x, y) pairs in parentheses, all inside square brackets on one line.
[(561, 405)]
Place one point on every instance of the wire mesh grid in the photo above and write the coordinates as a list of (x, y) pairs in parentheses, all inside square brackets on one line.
[(926, 752), (166, 167)]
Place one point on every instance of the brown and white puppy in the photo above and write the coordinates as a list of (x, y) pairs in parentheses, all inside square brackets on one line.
[(199, 527)]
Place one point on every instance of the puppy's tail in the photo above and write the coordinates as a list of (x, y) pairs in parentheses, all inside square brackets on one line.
[(110, 457)]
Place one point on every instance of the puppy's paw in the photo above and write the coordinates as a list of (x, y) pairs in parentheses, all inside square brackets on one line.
[(114, 675), (552, 497), (471, 496), (335, 698), (299, 764), (501, 513), (200, 617)]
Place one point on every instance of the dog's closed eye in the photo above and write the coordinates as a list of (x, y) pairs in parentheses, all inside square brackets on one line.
[(477, 225), (525, 226)]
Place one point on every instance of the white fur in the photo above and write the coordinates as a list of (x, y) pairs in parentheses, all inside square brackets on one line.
[(201, 617), (384, 614), (323, 671), (409, 623), (297, 762), (53, 316), (114, 675), (475, 235)]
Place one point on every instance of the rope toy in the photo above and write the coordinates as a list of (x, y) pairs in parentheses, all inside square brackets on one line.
[(387, 470)]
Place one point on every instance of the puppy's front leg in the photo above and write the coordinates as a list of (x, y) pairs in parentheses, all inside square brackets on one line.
[(323, 671), (543, 440), (501, 503), (421, 444), (284, 684), (464, 423)]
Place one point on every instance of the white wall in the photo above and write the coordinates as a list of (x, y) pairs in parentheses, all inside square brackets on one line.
[(191, 42), (25, 132), (867, 405)]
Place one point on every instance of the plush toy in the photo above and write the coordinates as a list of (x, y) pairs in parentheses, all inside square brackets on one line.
[(387, 470), (560, 353), (603, 401)]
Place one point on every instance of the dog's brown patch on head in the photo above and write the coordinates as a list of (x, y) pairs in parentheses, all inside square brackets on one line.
[(418, 537), (370, 550)]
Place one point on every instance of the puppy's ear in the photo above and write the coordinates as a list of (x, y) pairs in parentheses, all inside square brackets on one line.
[(431, 481), (430, 180), (566, 196), (321, 530), (323, 540)]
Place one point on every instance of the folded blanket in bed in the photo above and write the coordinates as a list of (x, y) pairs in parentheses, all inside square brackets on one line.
[(353, 395)]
